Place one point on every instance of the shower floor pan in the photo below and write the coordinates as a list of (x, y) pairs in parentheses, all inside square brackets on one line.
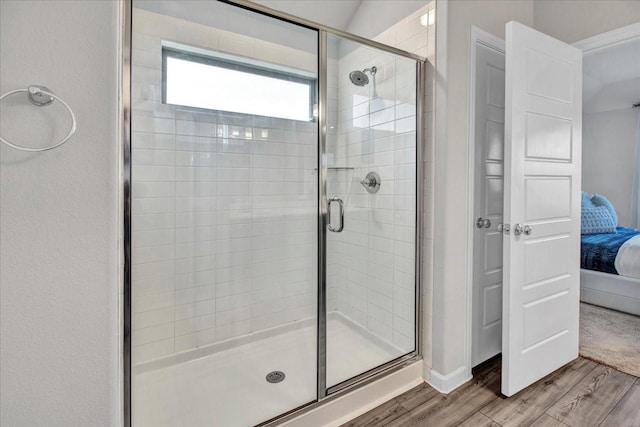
[(229, 388)]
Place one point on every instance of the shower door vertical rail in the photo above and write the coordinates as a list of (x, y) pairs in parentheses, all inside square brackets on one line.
[(421, 75), (322, 216), (126, 11)]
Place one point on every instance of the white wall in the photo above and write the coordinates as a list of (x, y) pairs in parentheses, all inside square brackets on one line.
[(609, 158), (611, 85), (59, 285), (574, 20)]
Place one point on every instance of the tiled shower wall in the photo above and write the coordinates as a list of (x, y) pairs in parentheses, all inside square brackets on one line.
[(373, 259), (417, 34), (376, 126), (224, 205)]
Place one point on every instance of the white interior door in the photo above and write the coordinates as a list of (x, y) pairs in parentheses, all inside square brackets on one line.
[(488, 203), (543, 138)]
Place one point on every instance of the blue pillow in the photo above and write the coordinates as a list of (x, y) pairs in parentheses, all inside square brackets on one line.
[(599, 200), (586, 201), (597, 220)]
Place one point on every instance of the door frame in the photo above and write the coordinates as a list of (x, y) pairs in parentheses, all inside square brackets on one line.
[(588, 46)]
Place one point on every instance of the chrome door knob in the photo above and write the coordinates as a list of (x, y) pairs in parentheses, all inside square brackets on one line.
[(483, 223), (520, 229)]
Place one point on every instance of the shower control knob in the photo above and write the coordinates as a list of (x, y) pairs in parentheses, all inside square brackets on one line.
[(371, 182)]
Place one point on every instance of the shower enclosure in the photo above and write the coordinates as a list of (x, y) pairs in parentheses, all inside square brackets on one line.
[(272, 213)]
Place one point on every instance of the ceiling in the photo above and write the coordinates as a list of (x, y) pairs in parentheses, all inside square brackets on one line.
[(612, 78)]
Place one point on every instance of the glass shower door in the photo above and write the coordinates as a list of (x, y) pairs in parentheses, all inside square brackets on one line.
[(224, 215), (244, 306), (371, 192)]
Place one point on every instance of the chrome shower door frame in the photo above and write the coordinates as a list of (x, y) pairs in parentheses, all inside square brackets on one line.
[(324, 394), (323, 218)]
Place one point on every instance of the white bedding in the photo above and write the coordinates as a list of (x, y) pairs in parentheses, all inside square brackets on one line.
[(628, 259)]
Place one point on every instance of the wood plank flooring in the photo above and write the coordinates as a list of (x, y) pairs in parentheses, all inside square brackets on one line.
[(581, 394)]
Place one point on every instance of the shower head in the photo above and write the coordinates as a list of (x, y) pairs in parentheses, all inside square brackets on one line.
[(359, 78)]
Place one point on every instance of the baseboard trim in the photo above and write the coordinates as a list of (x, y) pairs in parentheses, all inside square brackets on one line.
[(447, 383)]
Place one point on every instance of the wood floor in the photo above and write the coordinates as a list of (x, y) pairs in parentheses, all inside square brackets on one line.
[(581, 394)]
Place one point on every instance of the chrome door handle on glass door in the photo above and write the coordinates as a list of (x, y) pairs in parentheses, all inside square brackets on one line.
[(341, 214)]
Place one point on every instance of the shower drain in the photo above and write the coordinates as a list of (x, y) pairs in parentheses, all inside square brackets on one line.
[(275, 377)]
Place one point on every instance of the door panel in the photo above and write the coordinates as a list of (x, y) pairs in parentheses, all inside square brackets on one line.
[(489, 137), (542, 164), (495, 136), (548, 138), (539, 190)]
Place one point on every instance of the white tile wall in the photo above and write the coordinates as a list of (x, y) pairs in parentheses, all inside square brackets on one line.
[(372, 263), (224, 205), (410, 35), (374, 276)]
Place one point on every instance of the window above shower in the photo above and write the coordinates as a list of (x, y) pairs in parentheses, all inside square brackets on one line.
[(215, 81)]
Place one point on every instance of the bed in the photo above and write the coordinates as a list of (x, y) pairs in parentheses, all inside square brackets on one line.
[(610, 270)]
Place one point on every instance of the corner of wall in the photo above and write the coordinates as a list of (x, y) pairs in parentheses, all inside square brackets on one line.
[(449, 382)]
